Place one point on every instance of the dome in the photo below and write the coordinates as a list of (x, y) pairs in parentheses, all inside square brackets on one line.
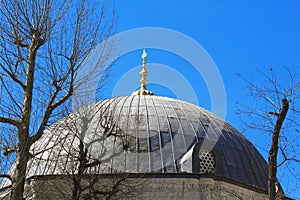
[(148, 134)]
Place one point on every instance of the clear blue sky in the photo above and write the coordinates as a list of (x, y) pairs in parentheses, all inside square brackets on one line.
[(240, 36)]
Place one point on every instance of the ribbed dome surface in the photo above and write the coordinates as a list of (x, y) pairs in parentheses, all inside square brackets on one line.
[(141, 134)]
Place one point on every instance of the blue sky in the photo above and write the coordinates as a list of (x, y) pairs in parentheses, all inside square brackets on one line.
[(240, 37)]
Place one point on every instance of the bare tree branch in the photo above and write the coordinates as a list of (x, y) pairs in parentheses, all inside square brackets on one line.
[(275, 98), (286, 158), (6, 176), (9, 121)]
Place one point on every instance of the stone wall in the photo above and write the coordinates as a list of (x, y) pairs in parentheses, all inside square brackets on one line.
[(152, 188), (156, 187)]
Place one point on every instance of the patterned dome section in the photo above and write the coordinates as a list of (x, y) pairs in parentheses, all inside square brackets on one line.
[(147, 134)]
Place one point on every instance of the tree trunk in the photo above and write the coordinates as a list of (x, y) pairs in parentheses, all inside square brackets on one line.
[(81, 168), (19, 174), (22, 155), (272, 164)]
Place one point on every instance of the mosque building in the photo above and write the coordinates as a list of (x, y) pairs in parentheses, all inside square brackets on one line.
[(144, 146)]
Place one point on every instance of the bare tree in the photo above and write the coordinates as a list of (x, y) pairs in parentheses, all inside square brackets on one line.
[(43, 46), (100, 139), (81, 148), (276, 111)]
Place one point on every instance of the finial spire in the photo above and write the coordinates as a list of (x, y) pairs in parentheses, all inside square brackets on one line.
[(143, 81), (144, 55)]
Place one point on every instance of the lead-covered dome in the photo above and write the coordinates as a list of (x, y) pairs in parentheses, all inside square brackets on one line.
[(148, 134)]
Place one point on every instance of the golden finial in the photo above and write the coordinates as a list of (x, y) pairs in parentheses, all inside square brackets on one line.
[(143, 81), (144, 55)]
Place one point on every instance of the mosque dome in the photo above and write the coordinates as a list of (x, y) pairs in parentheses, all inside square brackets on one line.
[(150, 134)]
